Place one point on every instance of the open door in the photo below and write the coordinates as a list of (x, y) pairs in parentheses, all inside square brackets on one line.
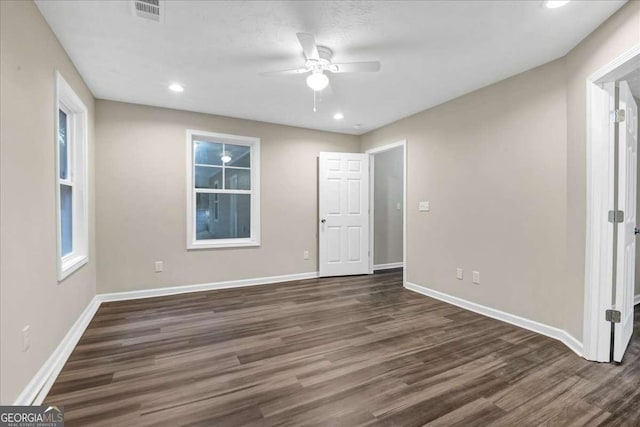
[(344, 214), (626, 246)]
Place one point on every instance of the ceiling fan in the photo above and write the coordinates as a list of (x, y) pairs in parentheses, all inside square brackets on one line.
[(318, 60)]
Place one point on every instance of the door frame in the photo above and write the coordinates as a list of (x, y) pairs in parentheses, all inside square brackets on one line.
[(372, 152), (599, 266)]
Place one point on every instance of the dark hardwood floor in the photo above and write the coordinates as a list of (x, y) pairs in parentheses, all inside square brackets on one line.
[(332, 352)]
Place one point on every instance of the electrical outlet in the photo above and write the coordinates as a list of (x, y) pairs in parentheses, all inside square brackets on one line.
[(423, 206), (459, 274), (159, 266), (26, 338), (476, 277), (305, 254)]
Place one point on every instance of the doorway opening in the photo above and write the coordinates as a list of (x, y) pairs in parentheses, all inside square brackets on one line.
[(387, 201), (613, 95)]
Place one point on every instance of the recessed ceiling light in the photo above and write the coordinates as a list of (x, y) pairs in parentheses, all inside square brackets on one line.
[(338, 116), (554, 4), (175, 87)]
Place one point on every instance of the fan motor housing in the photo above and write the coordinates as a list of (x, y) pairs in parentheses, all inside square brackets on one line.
[(325, 55)]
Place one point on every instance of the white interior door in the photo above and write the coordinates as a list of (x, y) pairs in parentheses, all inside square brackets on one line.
[(344, 214), (626, 256)]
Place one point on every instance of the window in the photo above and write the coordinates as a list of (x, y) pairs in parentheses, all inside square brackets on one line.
[(223, 190), (71, 179)]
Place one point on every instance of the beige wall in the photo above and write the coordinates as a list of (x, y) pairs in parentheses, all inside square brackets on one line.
[(505, 171), (387, 228), (492, 165), (29, 292), (141, 198), (616, 36)]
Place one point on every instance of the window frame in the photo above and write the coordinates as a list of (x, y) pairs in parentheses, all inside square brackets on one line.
[(77, 159), (254, 144)]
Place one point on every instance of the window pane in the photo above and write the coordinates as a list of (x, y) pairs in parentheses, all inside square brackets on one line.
[(223, 216), (240, 155), (208, 177), (66, 216), (62, 143), (237, 179), (208, 153)]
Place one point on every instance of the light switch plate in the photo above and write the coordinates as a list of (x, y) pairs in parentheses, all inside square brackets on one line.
[(159, 266), (459, 274), (476, 277), (423, 206), (305, 254)]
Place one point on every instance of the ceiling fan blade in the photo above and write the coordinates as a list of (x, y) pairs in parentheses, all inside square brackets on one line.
[(356, 67), (308, 43), (285, 72)]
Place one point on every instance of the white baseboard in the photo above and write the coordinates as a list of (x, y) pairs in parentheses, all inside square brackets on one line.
[(175, 290), (549, 331), (38, 388), (388, 266), (636, 300)]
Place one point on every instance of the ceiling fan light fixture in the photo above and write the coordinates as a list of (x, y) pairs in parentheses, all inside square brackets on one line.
[(226, 157), (338, 116), (317, 81)]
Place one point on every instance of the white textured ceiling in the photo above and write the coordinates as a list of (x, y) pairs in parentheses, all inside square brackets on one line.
[(431, 51)]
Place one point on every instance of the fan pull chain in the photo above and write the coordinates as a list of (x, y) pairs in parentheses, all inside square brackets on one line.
[(314, 101)]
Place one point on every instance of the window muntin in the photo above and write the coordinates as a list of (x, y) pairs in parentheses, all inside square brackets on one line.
[(223, 205)]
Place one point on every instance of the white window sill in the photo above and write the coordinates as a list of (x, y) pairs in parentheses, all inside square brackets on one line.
[(229, 243), (70, 265)]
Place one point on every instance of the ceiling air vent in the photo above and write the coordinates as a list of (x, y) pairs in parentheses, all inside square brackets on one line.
[(148, 9)]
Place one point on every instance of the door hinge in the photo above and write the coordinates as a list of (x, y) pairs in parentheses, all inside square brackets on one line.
[(618, 116), (616, 216), (612, 316)]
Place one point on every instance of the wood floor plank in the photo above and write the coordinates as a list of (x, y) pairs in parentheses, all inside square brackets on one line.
[(332, 352)]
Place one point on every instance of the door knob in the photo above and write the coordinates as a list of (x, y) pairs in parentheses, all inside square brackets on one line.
[(324, 220), (636, 231)]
